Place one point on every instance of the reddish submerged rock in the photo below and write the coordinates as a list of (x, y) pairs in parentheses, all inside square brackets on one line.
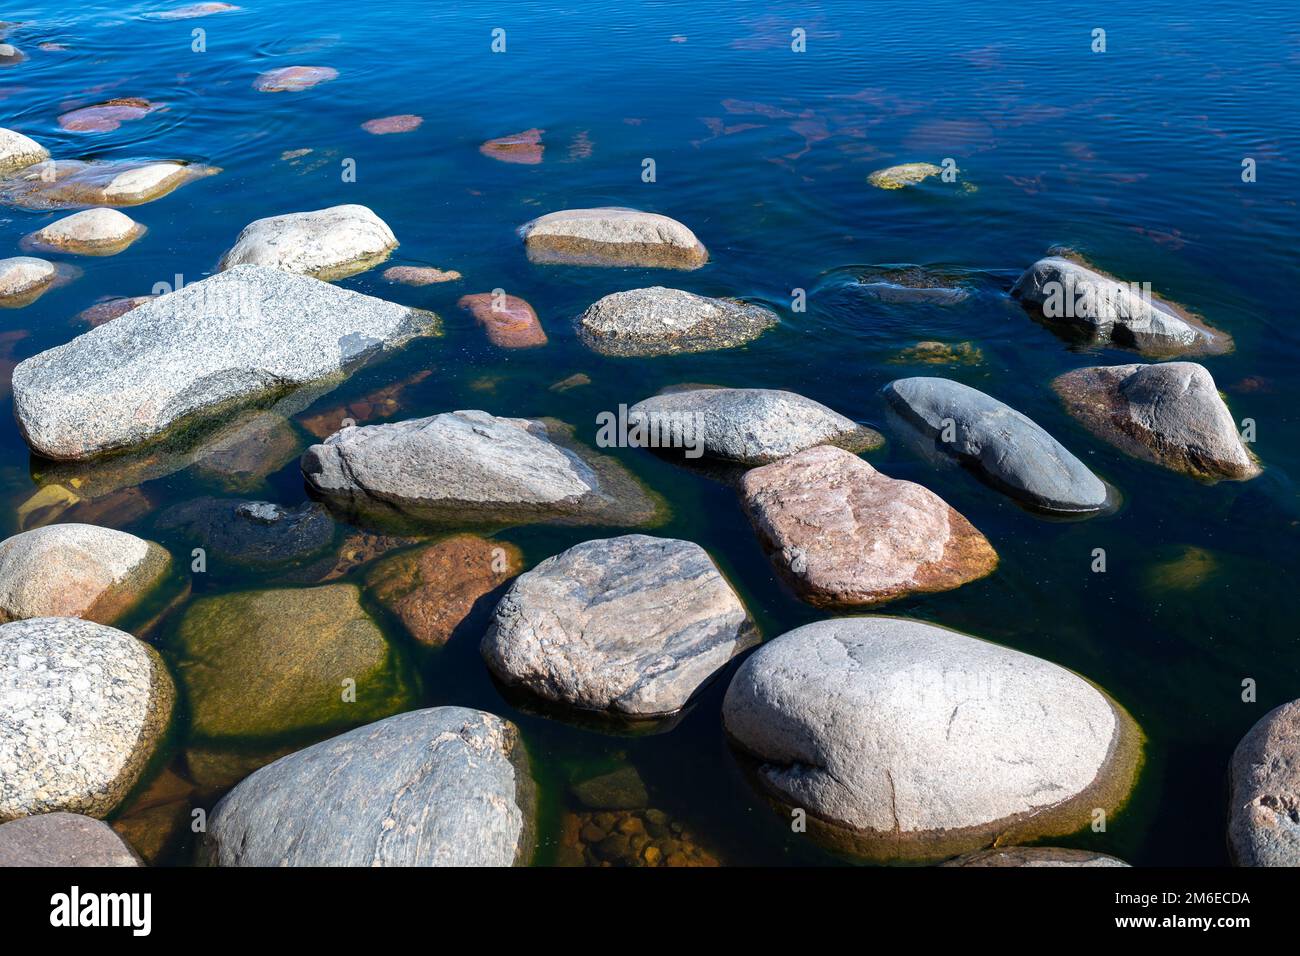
[(107, 116), (402, 123), (524, 148), (293, 79), (511, 323)]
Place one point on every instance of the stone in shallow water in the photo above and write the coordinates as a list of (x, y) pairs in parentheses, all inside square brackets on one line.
[(621, 789), (1085, 300), (907, 174), (434, 588), (940, 353), (259, 664), (844, 535), (1170, 414), (471, 466), (420, 275), (385, 125), (110, 309), (381, 403), (632, 837), (62, 839), (904, 741), (632, 626), (328, 243), (748, 426), (17, 151), (242, 460), (293, 79), (1264, 792), (107, 116), (510, 322), (447, 786), (68, 184), (245, 335), (524, 148), (1035, 856), (10, 55), (77, 570), (91, 232), (1012, 451), (904, 284), (660, 321), (82, 709), (191, 10), (154, 820), (24, 279), (612, 236)]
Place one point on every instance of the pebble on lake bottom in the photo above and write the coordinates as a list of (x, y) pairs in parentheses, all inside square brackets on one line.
[(629, 838)]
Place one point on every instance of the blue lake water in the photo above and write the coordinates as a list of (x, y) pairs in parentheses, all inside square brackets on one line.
[(1132, 156)]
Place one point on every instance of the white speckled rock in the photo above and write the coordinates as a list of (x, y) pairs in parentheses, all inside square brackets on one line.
[(325, 243), (447, 786), (70, 183), (469, 465), (660, 321), (77, 570), (1170, 414), (632, 626), (1011, 450), (907, 741), (612, 236), (82, 708), (1108, 310), (91, 232), (17, 151), (231, 339), (25, 278), (139, 183), (1264, 797), (62, 839), (751, 426), (1035, 856)]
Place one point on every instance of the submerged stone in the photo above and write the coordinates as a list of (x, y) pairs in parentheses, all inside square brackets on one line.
[(107, 116), (510, 322), (385, 125), (525, 148), (940, 353), (621, 789), (420, 275), (904, 284), (293, 79), (110, 309), (906, 174)]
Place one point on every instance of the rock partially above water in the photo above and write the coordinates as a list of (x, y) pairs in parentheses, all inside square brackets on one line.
[(660, 321), (10, 55), (909, 742), (1073, 295), (1035, 856), (69, 183), (420, 275), (328, 243), (62, 839), (906, 174), (632, 626), (447, 786), (1170, 414), (612, 236), (293, 79), (23, 280), (1009, 449), (17, 151), (471, 466), (905, 284), (1264, 797), (82, 708), (77, 570), (244, 335), (750, 426), (510, 322), (846, 536), (91, 232)]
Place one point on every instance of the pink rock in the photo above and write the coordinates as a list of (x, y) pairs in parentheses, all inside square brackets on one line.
[(524, 148), (293, 79), (106, 116), (510, 322), (420, 275), (846, 536), (194, 10), (110, 309), (402, 123)]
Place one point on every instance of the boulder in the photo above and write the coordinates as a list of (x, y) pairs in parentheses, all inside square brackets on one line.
[(908, 742), (903, 175), (23, 280), (110, 309), (17, 151), (328, 243), (91, 232), (82, 709), (748, 426), (293, 79), (420, 275), (631, 626), (10, 55), (245, 335), (259, 664), (70, 183), (433, 589), (469, 466), (911, 284), (387, 125), (844, 535), (62, 839), (523, 148), (1035, 856), (107, 116), (1170, 414), (659, 321), (447, 786), (1104, 309), (77, 570), (612, 236), (1008, 449), (510, 322), (252, 533), (1264, 792)]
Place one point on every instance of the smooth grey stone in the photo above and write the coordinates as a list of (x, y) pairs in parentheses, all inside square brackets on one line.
[(660, 321), (62, 839), (909, 742), (632, 626), (447, 786), (1264, 797), (249, 333), (325, 243), (1011, 450)]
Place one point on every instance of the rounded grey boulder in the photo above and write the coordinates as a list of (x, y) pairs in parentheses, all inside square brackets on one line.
[(328, 243), (23, 279), (904, 741), (660, 321), (446, 786), (632, 626), (82, 709), (612, 236), (1011, 450), (1264, 792), (62, 839), (17, 151), (747, 426)]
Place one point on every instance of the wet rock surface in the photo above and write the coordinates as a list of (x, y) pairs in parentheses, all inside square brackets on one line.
[(1264, 792), (328, 243), (660, 321), (62, 839), (612, 236)]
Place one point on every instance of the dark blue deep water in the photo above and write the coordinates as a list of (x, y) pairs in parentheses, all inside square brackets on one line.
[(1132, 156)]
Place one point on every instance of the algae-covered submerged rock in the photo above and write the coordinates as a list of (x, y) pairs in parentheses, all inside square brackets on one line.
[(447, 786), (612, 236), (259, 664), (229, 340), (904, 741), (903, 175)]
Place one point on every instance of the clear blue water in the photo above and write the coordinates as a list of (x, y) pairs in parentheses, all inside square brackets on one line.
[(1132, 156)]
